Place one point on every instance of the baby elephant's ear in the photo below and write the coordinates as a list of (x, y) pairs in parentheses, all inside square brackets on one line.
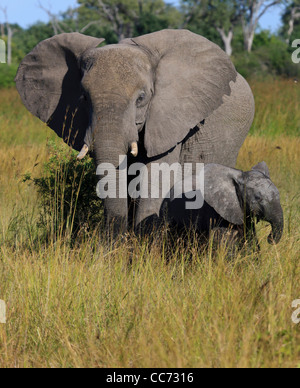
[(221, 185), (263, 168)]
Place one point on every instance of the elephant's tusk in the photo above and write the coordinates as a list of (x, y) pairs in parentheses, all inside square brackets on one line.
[(83, 152), (134, 149)]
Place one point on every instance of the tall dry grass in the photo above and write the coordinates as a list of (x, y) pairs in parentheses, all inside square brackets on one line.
[(134, 304), (277, 108)]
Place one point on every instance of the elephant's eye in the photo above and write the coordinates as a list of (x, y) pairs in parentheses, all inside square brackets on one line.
[(258, 198), (141, 98)]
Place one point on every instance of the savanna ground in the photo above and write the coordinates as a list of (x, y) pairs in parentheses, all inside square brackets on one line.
[(142, 305)]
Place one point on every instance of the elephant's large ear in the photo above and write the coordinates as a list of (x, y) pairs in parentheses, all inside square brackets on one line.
[(221, 185), (192, 76), (263, 168), (48, 81)]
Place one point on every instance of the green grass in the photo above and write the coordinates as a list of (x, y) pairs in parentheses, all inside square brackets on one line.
[(133, 304)]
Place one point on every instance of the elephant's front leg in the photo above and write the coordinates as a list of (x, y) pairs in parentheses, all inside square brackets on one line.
[(161, 174)]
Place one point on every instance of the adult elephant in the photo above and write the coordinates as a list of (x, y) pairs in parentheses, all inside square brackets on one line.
[(167, 97)]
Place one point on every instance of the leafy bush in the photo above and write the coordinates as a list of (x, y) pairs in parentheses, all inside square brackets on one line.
[(67, 190), (270, 57), (7, 75)]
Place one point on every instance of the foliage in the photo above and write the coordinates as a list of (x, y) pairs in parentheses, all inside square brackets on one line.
[(67, 192), (7, 75), (27, 39), (151, 19), (292, 11), (126, 18), (215, 13), (226, 16), (270, 57)]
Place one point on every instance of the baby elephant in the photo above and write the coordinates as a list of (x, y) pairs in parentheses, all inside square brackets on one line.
[(233, 199)]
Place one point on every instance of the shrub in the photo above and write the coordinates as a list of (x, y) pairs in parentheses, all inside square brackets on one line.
[(270, 57), (67, 190), (7, 75)]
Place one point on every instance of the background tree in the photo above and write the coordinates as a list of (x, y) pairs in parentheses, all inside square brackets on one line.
[(125, 18), (291, 20), (251, 11), (154, 16), (222, 15), (26, 39), (9, 30), (195, 17), (69, 21), (225, 15)]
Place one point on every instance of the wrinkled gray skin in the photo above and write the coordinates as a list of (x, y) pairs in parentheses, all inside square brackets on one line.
[(232, 200), (174, 92)]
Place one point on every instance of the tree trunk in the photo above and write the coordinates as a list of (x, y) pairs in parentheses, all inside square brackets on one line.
[(249, 33), (250, 15), (249, 42), (295, 14), (227, 40)]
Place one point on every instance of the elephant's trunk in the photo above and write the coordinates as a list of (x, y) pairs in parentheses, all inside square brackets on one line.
[(277, 222), (115, 207), (113, 138), (109, 171)]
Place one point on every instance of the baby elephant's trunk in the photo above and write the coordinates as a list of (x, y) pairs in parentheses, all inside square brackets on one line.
[(277, 223)]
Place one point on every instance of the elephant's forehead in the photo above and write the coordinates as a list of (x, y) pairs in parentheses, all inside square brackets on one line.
[(117, 65), (263, 185)]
